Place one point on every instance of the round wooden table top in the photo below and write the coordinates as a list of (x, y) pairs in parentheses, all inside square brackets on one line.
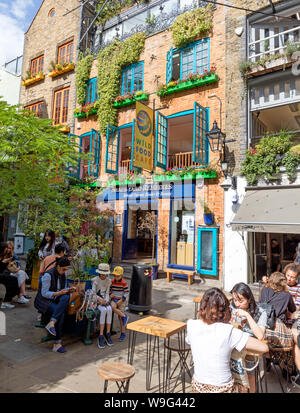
[(116, 371)]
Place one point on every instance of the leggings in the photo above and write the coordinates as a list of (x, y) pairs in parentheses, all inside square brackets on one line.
[(105, 310)]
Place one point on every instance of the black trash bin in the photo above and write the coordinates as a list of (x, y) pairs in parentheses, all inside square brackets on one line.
[(140, 295)]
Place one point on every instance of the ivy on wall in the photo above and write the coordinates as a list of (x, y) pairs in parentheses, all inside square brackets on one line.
[(191, 25), (83, 70), (111, 60)]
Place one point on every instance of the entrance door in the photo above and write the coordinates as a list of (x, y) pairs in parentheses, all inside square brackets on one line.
[(138, 242)]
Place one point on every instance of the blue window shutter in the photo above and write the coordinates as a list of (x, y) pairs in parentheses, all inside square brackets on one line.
[(161, 141), (207, 254), (200, 128), (169, 65), (72, 137), (112, 149)]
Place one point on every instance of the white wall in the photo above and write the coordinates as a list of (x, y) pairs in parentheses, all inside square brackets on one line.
[(235, 253), (9, 87)]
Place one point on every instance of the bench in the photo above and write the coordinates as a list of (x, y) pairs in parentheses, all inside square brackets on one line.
[(189, 274)]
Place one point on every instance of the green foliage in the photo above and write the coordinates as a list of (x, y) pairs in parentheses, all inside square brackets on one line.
[(191, 25), (268, 156), (83, 70), (33, 159), (114, 7), (110, 62), (291, 48)]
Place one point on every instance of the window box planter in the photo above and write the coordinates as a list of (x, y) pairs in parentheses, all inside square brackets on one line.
[(32, 80), (85, 114), (64, 128), (128, 102), (65, 69), (127, 182), (189, 84), (174, 177)]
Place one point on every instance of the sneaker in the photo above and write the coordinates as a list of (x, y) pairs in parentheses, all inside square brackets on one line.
[(28, 297), (296, 380), (50, 329), (107, 338), (7, 305), (22, 300), (122, 337), (101, 343), (125, 319), (60, 349)]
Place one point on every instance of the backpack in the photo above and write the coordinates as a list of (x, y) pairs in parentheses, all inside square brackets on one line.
[(271, 315)]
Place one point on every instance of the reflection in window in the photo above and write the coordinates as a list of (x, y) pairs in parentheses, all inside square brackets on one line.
[(207, 250), (132, 78), (130, 24), (182, 227)]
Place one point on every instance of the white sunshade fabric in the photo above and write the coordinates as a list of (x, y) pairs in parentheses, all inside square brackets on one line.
[(275, 210)]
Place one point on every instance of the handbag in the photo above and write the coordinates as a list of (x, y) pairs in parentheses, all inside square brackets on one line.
[(271, 315), (76, 297), (238, 369), (12, 267)]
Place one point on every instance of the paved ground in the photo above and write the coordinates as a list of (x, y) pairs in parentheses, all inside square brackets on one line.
[(29, 366)]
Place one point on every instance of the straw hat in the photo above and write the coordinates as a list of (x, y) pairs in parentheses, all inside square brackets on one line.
[(103, 269)]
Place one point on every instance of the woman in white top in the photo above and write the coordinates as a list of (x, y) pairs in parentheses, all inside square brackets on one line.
[(212, 340), (47, 245)]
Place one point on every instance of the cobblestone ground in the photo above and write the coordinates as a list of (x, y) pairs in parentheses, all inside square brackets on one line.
[(29, 366)]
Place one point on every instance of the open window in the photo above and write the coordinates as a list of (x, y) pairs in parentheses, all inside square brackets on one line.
[(191, 59), (132, 78), (89, 144), (181, 139), (119, 155)]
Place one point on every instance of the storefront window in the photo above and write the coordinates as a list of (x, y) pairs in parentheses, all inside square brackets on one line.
[(182, 228)]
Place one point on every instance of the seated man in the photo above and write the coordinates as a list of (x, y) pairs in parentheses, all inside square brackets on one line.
[(53, 298)]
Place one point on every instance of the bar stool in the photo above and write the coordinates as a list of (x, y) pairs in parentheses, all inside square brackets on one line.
[(120, 373), (288, 351), (182, 349), (258, 379), (197, 301)]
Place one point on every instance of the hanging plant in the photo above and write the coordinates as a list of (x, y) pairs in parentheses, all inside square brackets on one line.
[(110, 62), (114, 7), (191, 25), (264, 161), (83, 70)]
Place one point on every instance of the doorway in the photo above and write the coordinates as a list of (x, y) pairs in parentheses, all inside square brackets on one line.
[(138, 241)]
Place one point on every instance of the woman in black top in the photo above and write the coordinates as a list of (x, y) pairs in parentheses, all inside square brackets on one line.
[(282, 301), (11, 283)]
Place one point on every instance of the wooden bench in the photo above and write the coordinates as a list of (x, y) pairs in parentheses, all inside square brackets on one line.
[(189, 274)]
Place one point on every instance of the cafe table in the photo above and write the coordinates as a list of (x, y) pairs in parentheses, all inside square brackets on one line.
[(156, 330)]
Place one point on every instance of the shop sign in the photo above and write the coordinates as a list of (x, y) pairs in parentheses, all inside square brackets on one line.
[(143, 138), (149, 191)]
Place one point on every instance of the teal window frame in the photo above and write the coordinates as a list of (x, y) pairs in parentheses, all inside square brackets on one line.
[(215, 257), (136, 71), (91, 94), (94, 152), (192, 53)]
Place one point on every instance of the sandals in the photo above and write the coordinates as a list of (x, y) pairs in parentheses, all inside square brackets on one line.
[(51, 330), (60, 349)]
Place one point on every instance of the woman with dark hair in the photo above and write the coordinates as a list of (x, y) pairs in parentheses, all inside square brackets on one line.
[(212, 340), (53, 298), (11, 283), (47, 244), (249, 317)]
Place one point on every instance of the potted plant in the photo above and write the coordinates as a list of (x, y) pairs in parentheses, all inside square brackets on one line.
[(208, 216), (149, 223)]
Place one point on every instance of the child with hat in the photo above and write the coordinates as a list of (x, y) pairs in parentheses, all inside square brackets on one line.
[(101, 286), (118, 294)]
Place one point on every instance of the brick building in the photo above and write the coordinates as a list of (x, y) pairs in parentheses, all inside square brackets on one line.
[(49, 90), (264, 100), (183, 117)]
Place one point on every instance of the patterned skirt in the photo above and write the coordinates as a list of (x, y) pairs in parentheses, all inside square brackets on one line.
[(281, 337), (209, 388)]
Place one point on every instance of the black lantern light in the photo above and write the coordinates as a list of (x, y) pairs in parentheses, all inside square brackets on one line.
[(216, 138)]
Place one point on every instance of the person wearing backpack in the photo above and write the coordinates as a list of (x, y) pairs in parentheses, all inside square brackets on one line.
[(250, 317)]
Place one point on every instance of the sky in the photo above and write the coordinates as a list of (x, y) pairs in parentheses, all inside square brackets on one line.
[(15, 18)]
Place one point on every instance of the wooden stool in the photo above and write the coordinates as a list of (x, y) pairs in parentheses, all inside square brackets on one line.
[(117, 372), (197, 304), (272, 352)]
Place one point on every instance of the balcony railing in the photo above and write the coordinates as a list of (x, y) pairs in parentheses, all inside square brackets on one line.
[(125, 165), (181, 160), (271, 40)]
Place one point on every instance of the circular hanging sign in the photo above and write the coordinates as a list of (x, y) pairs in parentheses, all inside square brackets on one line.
[(144, 123)]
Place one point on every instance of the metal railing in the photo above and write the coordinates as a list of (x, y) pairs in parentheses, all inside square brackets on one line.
[(271, 40), (125, 165)]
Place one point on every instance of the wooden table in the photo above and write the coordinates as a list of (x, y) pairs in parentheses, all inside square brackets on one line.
[(155, 328)]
